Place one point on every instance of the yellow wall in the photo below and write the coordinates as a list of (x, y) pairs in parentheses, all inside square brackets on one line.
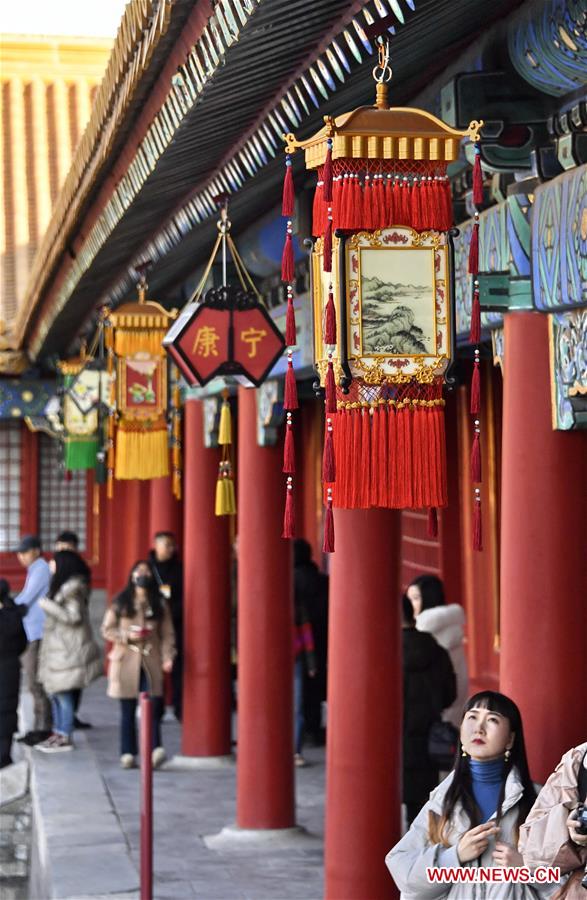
[(47, 87)]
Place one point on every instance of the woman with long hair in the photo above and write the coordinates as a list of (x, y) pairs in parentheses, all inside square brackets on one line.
[(446, 623), (139, 626), (474, 816), (69, 658)]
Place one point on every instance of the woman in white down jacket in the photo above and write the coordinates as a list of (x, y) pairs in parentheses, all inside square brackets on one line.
[(473, 817), (446, 623)]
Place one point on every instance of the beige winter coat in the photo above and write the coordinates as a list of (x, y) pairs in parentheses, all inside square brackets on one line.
[(70, 658), (410, 858), (447, 625), (544, 837), (126, 657)]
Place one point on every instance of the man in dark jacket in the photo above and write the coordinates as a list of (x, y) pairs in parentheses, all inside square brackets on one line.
[(429, 687), (168, 570), (13, 643)]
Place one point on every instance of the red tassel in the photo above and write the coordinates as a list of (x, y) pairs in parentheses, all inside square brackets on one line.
[(330, 386), (476, 457), (343, 204), (328, 463), (289, 524), (289, 451), (290, 400), (287, 258), (328, 545), (327, 174), (432, 522), (327, 255), (477, 179), (365, 471), (330, 320), (448, 210), (475, 332), (288, 205), (290, 321), (336, 202), (416, 205), (356, 211), (474, 250), (406, 217), (427, 203), (396, 202), (318, 211), (477, 529), (476, 387), (389, 202)]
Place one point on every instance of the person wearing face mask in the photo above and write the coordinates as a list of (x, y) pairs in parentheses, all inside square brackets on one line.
[(139, 626), (474, 816)]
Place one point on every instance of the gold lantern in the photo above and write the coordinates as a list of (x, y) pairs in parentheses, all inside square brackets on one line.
[(138, 445)]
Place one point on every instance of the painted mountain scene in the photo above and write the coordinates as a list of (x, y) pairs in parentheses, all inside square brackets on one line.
[(398, 303)]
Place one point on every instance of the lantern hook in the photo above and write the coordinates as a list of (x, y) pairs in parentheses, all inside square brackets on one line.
[(382, 73)]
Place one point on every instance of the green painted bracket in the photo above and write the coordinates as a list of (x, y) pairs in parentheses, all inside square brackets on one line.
[(500, 292)]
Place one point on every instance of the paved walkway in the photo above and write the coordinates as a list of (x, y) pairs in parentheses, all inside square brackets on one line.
[(86, 793)]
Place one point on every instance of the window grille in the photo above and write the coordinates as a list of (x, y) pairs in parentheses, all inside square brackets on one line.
[(10, 483), (63, 504)]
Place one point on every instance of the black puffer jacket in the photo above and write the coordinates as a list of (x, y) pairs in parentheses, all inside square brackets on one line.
[(170, 573), (429, 687), (13, 642)]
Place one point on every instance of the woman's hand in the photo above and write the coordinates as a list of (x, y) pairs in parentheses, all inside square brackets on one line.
[(506, 855), (579, 839), (475, 842), (168, 665)]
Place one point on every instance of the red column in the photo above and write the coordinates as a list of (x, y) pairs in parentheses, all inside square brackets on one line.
[(206, 677), (363, 772), (127, 533), (165, 509), (265, 783), (543, 572)]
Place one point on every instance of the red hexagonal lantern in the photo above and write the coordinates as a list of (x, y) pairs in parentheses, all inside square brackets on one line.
[(228, 333)]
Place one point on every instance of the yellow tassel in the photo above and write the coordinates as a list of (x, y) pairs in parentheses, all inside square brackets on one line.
[(127, 343), (225, 428), (225, 498), (141, 454)]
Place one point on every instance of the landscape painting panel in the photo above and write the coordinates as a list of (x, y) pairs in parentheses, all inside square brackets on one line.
[(397, 301)]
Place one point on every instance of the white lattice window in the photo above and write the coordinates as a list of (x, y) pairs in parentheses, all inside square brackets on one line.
[(10, 479), (63, 504)]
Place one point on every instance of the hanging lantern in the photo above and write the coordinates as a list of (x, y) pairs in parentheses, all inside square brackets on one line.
[(226, 331), (84, 394), (382, 291), (137, 425)]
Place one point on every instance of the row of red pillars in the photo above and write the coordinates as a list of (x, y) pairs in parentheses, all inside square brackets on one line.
[(544, 620)]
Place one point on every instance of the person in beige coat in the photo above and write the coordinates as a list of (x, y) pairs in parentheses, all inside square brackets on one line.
[(69, 657), (549, 836), (139, 626), (472, 818)]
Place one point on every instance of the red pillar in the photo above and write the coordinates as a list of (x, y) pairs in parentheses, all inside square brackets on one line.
[(206, 678), (363, 773), (543, 573), (127, 538), (265, 783), (165, 509)]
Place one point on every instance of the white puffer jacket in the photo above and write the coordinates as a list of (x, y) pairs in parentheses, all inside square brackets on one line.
[(446, 624)]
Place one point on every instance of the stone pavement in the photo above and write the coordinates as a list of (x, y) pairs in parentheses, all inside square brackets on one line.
[(86, 812)]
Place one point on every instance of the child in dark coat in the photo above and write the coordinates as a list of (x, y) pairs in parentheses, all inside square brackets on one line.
[(12, 644)]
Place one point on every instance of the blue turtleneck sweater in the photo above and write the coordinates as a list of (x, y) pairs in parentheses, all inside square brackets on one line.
[(486, 779)]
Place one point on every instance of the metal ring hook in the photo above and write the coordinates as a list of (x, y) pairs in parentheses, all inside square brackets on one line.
[(383, 63)]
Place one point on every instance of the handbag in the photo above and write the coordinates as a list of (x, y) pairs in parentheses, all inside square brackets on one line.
[(443, 741)]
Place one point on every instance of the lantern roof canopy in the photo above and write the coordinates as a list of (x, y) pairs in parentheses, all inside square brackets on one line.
[(383, 132), (142, 313)]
